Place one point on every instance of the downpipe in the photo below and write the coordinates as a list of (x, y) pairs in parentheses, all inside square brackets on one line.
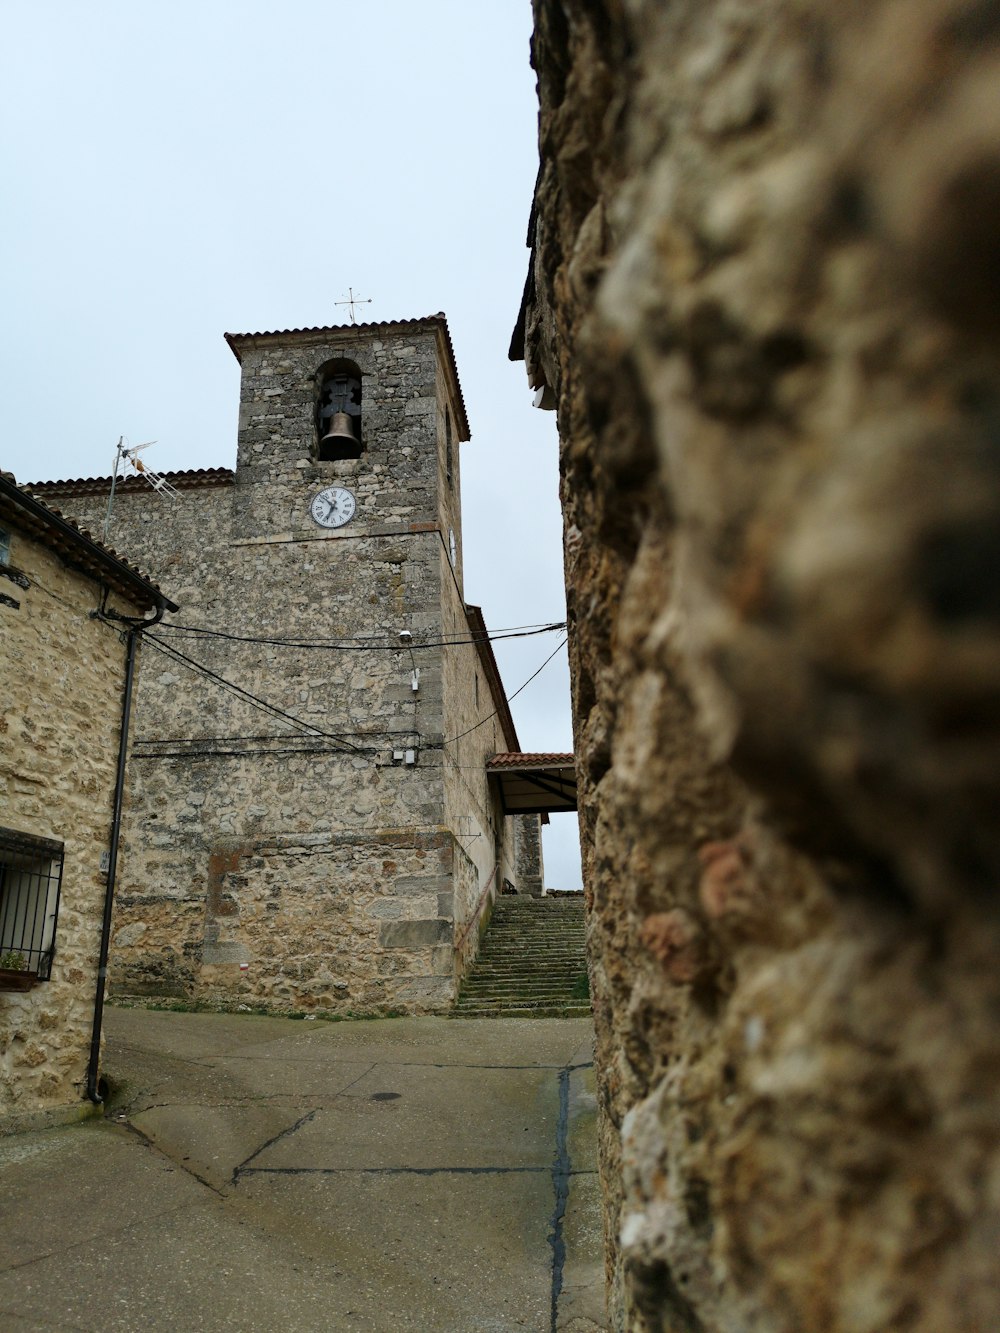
[(93, 1066)]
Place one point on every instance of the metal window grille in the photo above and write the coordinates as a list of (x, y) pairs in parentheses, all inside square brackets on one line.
[(4, 547), (30, 882)]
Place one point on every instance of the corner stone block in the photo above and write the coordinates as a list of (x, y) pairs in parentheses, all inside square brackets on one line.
[(414, 934), (442, 960), (418, 884), (226, 951)]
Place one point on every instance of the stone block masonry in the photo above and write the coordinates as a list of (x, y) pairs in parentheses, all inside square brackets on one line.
[(281, 849), (763, 294), (61, 678)]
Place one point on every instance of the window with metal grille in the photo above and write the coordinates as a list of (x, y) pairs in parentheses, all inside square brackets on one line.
[(30, 880), (4, 547)]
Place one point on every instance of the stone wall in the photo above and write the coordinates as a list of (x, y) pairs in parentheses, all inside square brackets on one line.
[(528, 855), (291, 842), (763, 294), (61, 679)]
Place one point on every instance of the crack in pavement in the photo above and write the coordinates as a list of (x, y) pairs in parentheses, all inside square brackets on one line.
[(291, 1129), (275, 1138), (560, 1184), (395, 1170)]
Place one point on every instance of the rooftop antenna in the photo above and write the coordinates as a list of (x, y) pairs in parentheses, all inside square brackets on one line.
[(350, 300), (127, 453)]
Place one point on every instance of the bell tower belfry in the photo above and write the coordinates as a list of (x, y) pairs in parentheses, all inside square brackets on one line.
[(373, 412)]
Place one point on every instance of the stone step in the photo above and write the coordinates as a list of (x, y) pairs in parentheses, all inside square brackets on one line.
[(560, 975), (533, 941), (531, 961), (570, 1009), (528, 992), (539, 935), (500, 945), (522, 952), (512, 975), (522, 979)]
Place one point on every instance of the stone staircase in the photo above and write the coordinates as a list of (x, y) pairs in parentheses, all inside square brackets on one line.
[(531, 963)]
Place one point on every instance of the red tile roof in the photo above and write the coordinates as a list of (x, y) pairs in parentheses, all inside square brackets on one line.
[(76, 545), (551, 760), (185, 480)]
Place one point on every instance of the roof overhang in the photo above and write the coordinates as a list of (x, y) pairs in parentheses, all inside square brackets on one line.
[(76, 547), (534, 784)]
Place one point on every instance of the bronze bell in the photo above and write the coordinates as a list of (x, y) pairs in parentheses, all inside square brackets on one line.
[(340, 440)]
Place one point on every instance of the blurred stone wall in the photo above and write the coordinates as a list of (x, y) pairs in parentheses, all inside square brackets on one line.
[(764, 296)]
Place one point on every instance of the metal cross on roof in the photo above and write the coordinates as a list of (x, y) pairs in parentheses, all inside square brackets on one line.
[(350, 300)]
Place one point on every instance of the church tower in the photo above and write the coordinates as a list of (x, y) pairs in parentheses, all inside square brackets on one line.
[(310, 823)]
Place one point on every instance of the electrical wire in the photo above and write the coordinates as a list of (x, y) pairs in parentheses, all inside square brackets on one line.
[(359, 645), (308, 728), (483, 720), (314, 731), (254, 700), (206, 740)]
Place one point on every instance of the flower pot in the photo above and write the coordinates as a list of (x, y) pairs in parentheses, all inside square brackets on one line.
[(16, 980)]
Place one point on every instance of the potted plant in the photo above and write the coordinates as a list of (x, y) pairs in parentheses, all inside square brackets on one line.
[(14, 974)]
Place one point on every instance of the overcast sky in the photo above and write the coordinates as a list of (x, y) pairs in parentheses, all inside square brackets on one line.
[(175, 172)]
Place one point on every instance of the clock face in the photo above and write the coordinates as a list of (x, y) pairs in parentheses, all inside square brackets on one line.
[(333, 507)]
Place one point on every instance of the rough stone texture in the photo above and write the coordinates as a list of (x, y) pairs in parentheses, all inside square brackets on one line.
[(764, 296), (61, 678), (308, 865), (528, 856)]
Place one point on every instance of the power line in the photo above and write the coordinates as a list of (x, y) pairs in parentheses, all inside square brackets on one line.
[(272, 709), (206, 740), (359, 645), (488, 716), (254, 700)]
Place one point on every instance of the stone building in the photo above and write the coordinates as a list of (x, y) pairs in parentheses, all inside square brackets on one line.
[(311, 822), (71, 612), (763, 297)]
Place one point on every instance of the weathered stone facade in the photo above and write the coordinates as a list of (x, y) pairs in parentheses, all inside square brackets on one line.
[(62, 673), (327, 839), (763, 295), (528, 856)]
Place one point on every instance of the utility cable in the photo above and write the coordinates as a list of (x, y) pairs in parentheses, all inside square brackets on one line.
[(359, 645), (283, 736), (254, 700), (483, 720)]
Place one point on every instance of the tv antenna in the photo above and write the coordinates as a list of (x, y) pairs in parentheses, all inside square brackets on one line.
[(350, 300), (129, 455)]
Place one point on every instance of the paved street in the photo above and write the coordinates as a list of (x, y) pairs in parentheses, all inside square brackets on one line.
[(265, 1173)]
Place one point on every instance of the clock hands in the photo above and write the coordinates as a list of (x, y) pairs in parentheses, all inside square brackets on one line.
[(333, 507)]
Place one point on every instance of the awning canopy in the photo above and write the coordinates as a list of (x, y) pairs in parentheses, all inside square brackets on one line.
[(534, 784)]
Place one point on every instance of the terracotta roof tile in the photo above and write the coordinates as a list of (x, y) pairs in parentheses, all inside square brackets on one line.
[(188, 479), (542, 760), (65, 536)]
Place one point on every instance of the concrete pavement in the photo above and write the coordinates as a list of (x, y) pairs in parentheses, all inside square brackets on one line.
[(264, 1173)]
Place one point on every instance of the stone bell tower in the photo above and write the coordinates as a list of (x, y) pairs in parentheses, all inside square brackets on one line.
[(370, 416), (311, 823)]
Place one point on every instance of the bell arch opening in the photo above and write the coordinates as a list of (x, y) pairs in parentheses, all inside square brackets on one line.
[(338, 411)]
